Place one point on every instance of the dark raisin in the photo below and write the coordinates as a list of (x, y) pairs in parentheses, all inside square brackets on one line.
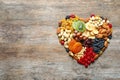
[(110, 36), (102, 17), (67, 50), (67, 17)]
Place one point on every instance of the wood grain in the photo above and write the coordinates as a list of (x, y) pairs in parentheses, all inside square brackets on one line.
[(29, 48)]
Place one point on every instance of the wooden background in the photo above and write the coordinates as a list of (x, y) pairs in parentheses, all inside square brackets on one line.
[(29, 48)]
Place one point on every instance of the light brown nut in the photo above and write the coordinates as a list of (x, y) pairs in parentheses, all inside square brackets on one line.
[(105, 34), (100, 30), (80, 37), (78, 34), (108, 31), (91, 33), (106, 26), (71, 54), (92, 37), (105, 38), (103, 31), (99, 35), (106, 44), (84, 38), (95, 31), (96, 56)]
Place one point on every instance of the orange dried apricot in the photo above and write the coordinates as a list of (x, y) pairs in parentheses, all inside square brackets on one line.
[(77, 47), (71, 43)]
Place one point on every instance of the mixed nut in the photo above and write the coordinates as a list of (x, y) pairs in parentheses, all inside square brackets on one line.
[(84, 39)]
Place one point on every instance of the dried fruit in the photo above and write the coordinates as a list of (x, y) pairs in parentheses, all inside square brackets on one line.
[(84, 39)]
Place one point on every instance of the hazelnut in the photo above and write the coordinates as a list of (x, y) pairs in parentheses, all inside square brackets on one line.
[(80, 37), (78, 34), (84, 37), (76, 38)]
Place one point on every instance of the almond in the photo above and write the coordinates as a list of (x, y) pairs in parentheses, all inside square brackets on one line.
[(106, 44), (105, 34), (103, 30), (106, 26), (99, 35)]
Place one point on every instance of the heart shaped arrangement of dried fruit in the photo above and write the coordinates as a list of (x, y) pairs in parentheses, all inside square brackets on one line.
[(84, 39)]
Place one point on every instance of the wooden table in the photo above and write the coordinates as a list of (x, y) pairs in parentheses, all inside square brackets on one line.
[(29, 48)]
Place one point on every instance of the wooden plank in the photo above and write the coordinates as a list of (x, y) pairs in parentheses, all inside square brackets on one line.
[(29, 48)]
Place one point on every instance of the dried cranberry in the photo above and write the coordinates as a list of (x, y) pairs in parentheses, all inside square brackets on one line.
[(86, 65), (59, 24), (92, 60), (110, 25), (92, 15), (62, 42), (72, 16)]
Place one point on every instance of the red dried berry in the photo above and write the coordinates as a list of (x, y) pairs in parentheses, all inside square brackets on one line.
[(88, 62), (62, 42), (92, 60), (72, 16), (86, 65), (85, 60), (88, 57), (110, 25), (92, 15)]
